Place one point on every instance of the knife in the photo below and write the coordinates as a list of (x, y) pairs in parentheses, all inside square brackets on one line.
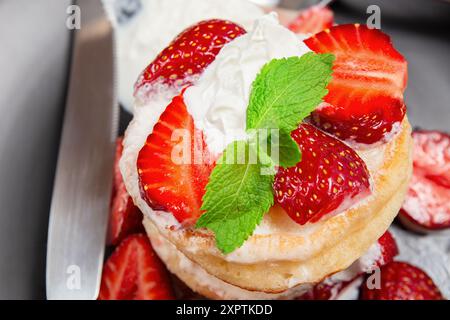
[(83, 180)]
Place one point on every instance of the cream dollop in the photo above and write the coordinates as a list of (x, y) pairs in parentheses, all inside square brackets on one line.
[(157, 23), (218, 101)]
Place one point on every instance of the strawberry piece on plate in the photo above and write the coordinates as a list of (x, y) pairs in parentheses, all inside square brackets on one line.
[(389, 249), (173, 173), (365, 97), (402, 281), (331, 176), (188, 55), (432, 154), (426, 206), (134, 272), (312, 20), (125, 218), (427, 203)]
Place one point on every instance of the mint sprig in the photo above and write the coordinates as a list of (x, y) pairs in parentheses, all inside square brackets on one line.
[(237, 196), (239, 193)]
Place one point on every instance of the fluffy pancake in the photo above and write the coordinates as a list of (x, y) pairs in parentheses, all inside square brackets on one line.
[(200, 281)]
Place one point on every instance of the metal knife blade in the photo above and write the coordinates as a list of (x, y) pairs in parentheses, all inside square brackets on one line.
[(83, 181)]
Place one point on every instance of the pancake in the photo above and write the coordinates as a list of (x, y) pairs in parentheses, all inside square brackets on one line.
[(210, 286), (200, 281)]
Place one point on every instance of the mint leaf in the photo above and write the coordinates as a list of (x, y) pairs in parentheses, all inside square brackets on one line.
[(236, 198), (288, 90), (288, 152)]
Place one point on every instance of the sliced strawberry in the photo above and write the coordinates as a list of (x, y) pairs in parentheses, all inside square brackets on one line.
[(389, 249), (366, 129), (330, 176), (427, 202), (365, 97), (432, 154), (134, 272), (170, 179), (189, 54), (125, 218), (402, 281), (312, 20)]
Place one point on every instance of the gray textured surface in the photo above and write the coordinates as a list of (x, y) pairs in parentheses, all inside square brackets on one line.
[(33, 63)]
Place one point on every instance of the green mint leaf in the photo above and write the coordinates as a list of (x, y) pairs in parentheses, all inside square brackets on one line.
[(237, 197), (288, 90), (288, 152)]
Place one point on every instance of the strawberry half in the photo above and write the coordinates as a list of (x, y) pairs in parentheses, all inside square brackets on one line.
[(134, 272), (365, 97), (312, 20), (170, 183), (402, 281), (188, 55), (329, 176), (427, 203), (125, 218)]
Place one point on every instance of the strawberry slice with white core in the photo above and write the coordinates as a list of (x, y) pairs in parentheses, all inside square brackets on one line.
[(365, 97), (188, 55), (331, 176), (174, 165), (125, 218), (432, 154), (134, 272), (427, 203), (312, 20), (402, 281)]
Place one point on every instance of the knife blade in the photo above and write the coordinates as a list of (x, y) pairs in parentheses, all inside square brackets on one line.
[(83, 180)]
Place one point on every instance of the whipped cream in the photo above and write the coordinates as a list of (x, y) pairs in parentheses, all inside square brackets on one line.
[(157, 23), (218, 101)]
